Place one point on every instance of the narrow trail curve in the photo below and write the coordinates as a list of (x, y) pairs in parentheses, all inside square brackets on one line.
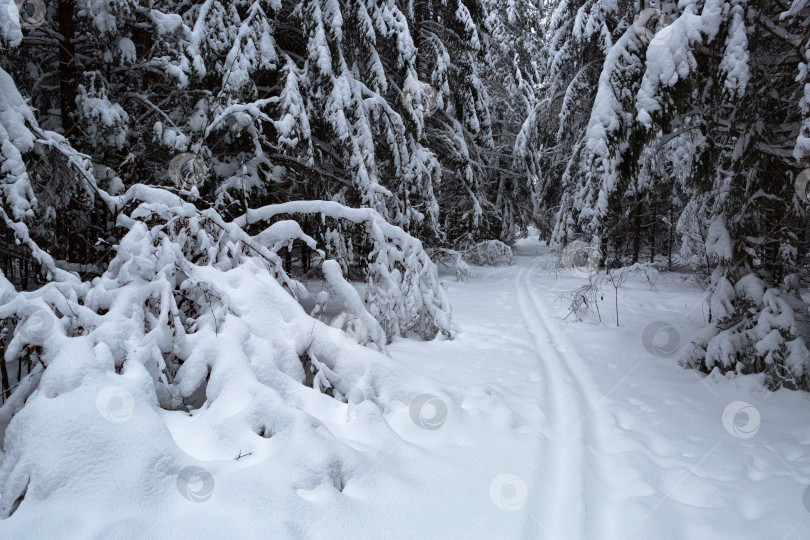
[(569, 474)]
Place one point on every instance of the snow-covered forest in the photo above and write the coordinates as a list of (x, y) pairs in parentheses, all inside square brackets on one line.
[(405, 269)]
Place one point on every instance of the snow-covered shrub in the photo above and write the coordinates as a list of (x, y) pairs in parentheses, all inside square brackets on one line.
[(454, 260), (645, 272), (583, 302), (753, 330), (169, 262), (490, 253)]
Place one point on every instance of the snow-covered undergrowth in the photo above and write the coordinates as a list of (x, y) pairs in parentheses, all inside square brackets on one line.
[(754, 329), (487, 253), (196, 322), (490, 253), (454, 260)]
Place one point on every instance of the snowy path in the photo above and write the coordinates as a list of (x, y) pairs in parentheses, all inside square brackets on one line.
[(611, 441), (567, 469)]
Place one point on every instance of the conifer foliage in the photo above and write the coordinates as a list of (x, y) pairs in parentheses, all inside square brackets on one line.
[(680, 137)]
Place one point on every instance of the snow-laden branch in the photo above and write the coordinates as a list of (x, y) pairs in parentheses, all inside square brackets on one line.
[(403, 292)]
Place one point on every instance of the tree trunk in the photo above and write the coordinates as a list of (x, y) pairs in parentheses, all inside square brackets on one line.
[(671, 232), (67, 66), (652, 234), (636, 230), (603, 246), (4, 376), (420, 14)]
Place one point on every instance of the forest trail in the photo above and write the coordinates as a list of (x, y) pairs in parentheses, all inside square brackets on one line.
[(569, 469), (512, 342), (612, 442)]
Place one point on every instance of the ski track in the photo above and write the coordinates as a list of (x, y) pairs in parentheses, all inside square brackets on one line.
[(569, 472), (642, 454)]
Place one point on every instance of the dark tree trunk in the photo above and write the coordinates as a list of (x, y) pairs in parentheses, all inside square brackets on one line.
[(420, 13), (67, 66), (652, 233), (636, 230), (4, 374), (603, 248), (671, 232)]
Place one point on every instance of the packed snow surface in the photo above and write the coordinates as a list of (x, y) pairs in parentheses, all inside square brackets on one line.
[(528, 425)]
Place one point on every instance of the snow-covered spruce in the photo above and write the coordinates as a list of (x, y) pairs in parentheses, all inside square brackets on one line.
[(298, 100), (636, 153)]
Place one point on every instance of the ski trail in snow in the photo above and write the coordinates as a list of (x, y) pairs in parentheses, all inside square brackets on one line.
[(569, 474)]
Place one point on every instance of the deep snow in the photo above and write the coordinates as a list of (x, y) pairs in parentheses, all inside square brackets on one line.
[(531, 427)]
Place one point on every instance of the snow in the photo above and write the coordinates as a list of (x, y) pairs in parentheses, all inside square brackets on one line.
[(489, 253), (10, 29), (669, 58), (735, 60), (525, 426), (200, 384), (718, 241)]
